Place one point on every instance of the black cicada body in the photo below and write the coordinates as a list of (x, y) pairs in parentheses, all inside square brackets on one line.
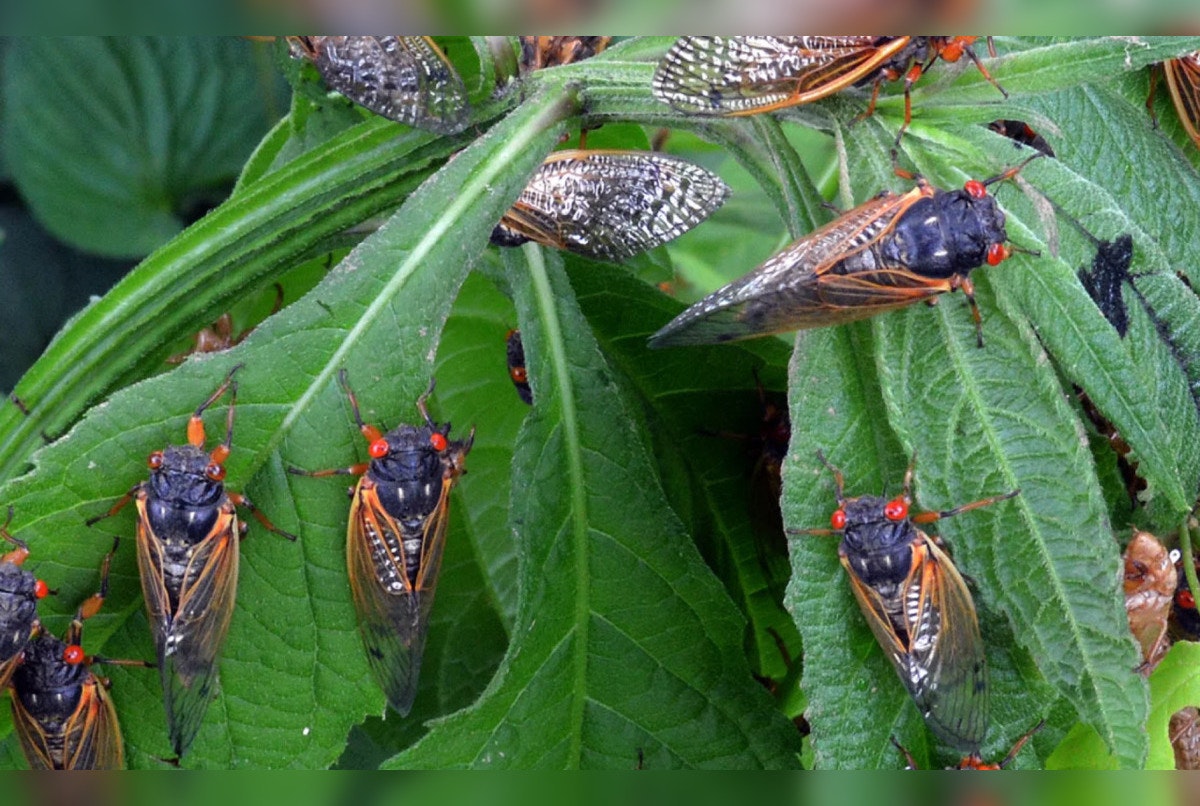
[(20, 591)]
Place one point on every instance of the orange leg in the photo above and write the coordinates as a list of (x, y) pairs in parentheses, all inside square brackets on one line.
[(242, 501)]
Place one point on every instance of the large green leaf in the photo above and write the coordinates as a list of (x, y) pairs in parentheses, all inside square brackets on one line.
[(293, 677)]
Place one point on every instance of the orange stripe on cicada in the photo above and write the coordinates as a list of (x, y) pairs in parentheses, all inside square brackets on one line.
[(610, 205), (20, 591), (403, 78), (747, 75), (887, 253), (398, 516), (187, 549), (1183, 81), (918, 606), (62, 712)]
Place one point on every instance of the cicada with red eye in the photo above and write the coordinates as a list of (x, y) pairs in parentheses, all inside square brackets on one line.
[(62, 712), (610, 205), (918, 606), (403, 78), (1183, 81), (974, 761), (1149, 590), (515, 353), (398, 516), (888, 253), (187, 548), (749, 75), (19, 594)]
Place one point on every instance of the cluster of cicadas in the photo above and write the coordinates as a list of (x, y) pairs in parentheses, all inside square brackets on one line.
[(890, 252)]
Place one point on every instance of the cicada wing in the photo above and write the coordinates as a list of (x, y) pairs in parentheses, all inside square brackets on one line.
[(189, 625), (34, 741), (92, 737), (403, 78), (611, 205), (946, 651), (808, 283), (1183, 80), (6, 670), (393, 604), (743, 75)]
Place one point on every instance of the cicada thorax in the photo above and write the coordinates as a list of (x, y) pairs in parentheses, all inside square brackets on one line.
[(403, 78), (610, 205), (20, 591)]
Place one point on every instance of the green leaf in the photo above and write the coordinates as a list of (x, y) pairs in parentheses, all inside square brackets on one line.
[(623, 643), (1175, 684), (293, 674), (115, 141)]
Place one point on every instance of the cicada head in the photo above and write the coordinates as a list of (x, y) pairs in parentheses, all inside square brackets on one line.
[(877, 537), (48, 686)]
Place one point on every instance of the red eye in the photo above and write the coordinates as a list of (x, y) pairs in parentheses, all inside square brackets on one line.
[(73, 654), (1186, 600), (155, 460), (40, 589), (896, 509), (975, 188), (379, 449), (838, 519), (438, 441), (997, 254), (215, 472)]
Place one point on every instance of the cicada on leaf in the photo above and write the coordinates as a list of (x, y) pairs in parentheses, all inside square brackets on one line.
[(918, 606), (187, 548), (1150, 582), (610, 205), (888, 253), (62, 712), (403, 78), (20, 591), (1183, 82), (399, 511), (748, 75)]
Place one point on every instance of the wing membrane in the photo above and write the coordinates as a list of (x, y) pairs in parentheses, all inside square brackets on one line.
[(1183, 79)]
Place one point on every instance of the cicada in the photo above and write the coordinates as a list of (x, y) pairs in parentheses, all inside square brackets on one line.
[(610, 205), (219, 335), (1183, 81), (515, 353), (19, 594), (403, 78), (918, 606), (1149, 591), (748, 75), (398, 516), (62, 712), (974, 761), (887, 253), (1022, 133), (539, 52), (187, 548)]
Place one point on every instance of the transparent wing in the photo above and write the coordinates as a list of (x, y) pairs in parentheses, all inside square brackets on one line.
[(189, 627), (92, 737), (611, 205), (743, 75), (1183, 79)]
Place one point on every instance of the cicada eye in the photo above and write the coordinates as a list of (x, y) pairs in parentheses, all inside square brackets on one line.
[(838, 519), (438, 441), (155, 460), (73, 654), (379, 448), (896, 509), (1185, 600), (215, 472), (975, 188), (997, 254), (40, 589)]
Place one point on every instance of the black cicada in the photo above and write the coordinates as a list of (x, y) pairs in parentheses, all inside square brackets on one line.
[(748, 75), (918, 606), (515, 353), (404, 78), (187, 548), (62, 712), (19, 594), (610, 205), (887, 253), (398, 518)]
